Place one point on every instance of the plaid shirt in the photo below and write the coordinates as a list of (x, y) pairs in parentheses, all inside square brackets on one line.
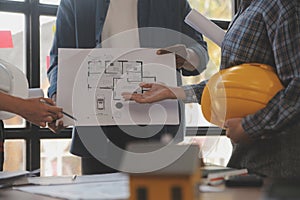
[(267, 32)]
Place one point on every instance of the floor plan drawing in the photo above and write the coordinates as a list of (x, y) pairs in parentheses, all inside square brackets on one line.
[(102, 75)]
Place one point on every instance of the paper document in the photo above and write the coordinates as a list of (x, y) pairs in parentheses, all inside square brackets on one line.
[(203, 25), (83, 191), (20, 177), (91, 82), (63, 180), (88, 187), (4, 176)]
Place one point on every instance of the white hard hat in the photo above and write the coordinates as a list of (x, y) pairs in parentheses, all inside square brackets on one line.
[(12, 82)]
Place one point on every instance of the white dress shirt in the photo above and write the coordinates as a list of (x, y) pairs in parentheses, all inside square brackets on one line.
[(120, 28)]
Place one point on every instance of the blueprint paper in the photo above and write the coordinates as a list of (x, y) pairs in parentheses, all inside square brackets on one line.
[(64, 180), (84, 191), (203, 25), (91, 81)]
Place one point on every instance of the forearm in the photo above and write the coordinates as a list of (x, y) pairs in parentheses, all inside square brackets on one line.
[(176, 93), (198, 47), (193, 59), (10, 103), (52, 77), (196, 60), (283, 110), (198, 56), (193, 93), (280, 113)]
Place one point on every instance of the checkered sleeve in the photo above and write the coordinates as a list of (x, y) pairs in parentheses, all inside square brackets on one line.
[(283, 110), (193, 93)]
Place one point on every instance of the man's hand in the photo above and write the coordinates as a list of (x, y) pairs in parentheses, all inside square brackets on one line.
[(156, 92), (52, 125), (182, 56), (39, 111), (56, 128), (235, 131)]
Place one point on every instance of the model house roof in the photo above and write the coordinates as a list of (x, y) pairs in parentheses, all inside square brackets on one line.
[(160, 159)]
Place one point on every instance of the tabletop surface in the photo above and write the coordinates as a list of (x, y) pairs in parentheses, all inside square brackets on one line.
[(221, 192), (227, 194)]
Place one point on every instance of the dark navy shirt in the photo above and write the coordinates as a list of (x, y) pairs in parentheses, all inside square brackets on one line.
[(79, 25)]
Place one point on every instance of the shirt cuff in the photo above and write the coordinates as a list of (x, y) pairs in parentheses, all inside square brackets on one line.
[(52, 76), (203, 57), (191, 97)]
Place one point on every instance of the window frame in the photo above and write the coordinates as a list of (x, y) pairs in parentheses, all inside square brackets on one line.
[(32, 134)]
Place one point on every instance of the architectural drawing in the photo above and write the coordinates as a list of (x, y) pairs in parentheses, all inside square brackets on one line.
[(115, 76), (100, 78)]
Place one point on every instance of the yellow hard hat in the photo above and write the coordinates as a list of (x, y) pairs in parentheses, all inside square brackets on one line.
[(238, 91)]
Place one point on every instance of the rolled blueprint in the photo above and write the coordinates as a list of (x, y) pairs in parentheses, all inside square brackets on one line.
[(203, 25)]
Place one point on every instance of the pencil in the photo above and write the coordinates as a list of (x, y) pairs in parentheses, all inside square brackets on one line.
[(66, 114)]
